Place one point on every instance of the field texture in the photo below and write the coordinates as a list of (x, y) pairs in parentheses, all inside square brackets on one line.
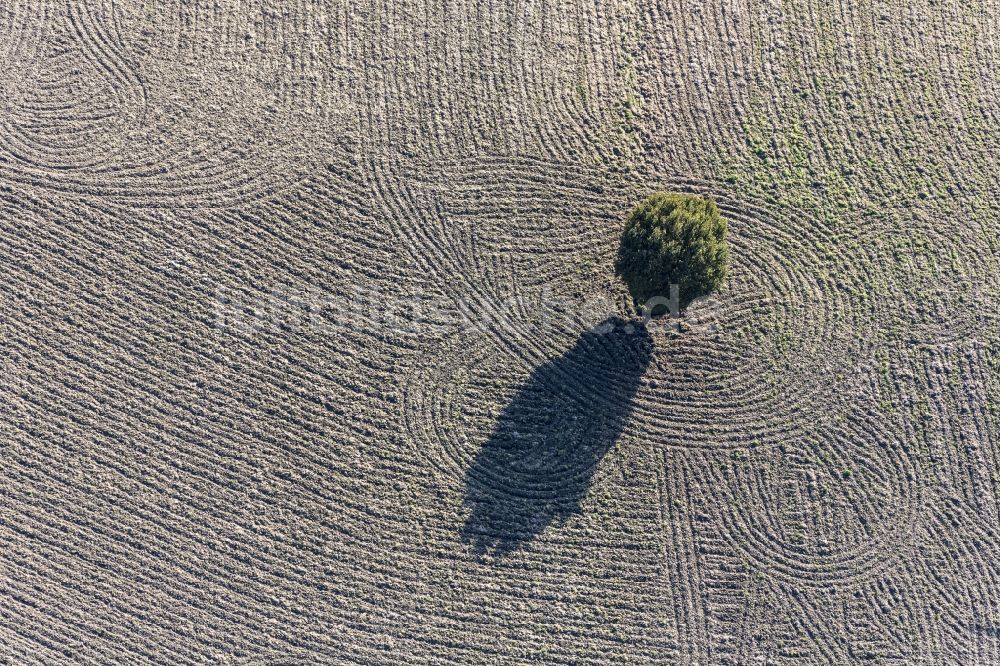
[(311, 349)]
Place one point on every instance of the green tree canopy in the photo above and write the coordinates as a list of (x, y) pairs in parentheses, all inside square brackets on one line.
[(673, 239)]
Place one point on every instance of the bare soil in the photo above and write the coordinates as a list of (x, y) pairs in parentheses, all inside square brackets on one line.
[(311, 349)]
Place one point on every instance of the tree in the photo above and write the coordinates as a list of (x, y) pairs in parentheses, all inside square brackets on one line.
[(673, 239)]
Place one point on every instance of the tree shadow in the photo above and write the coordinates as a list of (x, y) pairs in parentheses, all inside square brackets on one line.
[(540, 459)]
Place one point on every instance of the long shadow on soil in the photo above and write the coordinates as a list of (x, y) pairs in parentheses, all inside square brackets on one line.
[(547, 443)]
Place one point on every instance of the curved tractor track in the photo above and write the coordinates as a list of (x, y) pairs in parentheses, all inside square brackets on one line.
[(311, 351)]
